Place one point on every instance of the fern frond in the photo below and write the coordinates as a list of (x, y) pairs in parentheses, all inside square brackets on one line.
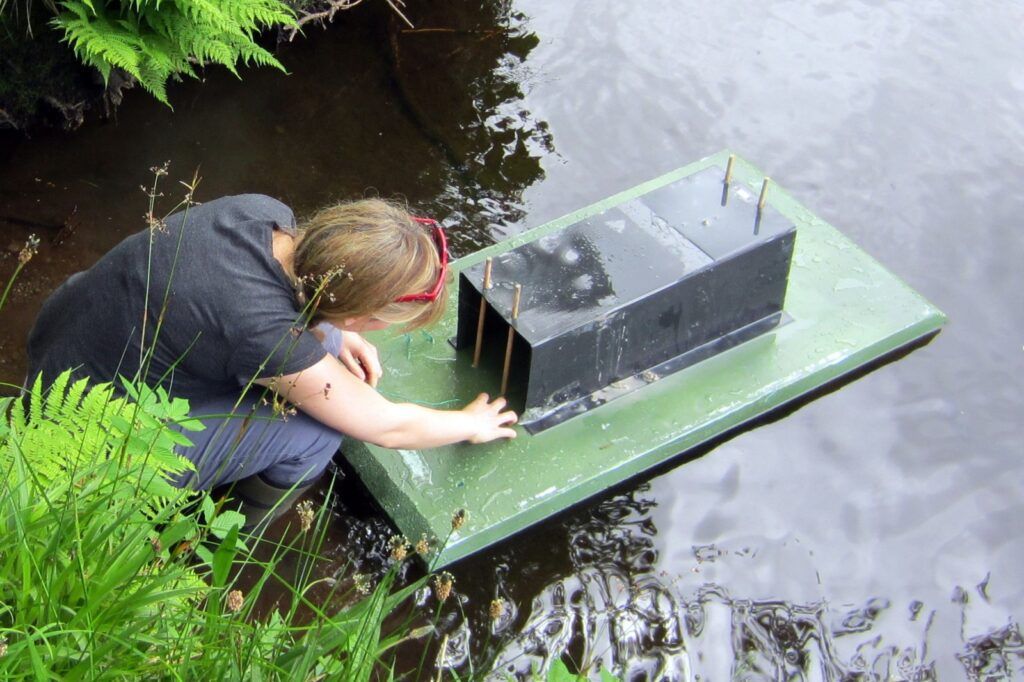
[(55, 394), (154, 40), (35, 400), (74, 396), (154, 80), (76, 429), (97, 41), (208, 13), (215, 51), (104, 68), (254, 54), (17, 417)]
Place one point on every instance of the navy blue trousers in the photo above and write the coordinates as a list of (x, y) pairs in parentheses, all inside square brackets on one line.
[(251, 438)]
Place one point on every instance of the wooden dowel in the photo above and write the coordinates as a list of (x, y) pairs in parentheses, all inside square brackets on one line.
[(764, 194), (728, 168), (511, 338), (483, 312)]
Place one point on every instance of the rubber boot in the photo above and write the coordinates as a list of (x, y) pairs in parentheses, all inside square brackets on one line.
[(262, 503)]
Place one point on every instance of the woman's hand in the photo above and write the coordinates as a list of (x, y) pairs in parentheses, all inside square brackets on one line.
[(359, 356), (490, 421)]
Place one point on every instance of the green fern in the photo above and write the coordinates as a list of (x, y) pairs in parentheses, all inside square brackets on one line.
[(70, 432), (157, 40)]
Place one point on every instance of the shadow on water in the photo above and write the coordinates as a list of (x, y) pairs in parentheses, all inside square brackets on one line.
[(459, 75)]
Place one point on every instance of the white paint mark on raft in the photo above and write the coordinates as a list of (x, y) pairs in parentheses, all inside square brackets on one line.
[(523, 504), (418, 469)]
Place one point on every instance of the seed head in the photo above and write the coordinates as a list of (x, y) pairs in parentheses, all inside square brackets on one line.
[(361, 582), (3, 647), (155, 223), (235, 601), (282, 408), (305, 511), (459, 518), (190, 188), (399, 547), (497, 609), (423, 547), (30, 249), (443, 585)]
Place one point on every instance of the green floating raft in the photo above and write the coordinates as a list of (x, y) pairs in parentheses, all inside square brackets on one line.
[(841, 311)]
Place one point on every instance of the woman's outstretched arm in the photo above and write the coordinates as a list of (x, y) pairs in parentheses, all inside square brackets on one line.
[(334, 396)]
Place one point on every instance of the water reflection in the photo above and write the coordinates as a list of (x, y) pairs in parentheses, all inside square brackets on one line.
[(459, 75), (615, 609)]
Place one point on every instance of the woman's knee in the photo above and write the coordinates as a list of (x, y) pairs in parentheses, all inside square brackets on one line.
[(312, 447), (232, 448)]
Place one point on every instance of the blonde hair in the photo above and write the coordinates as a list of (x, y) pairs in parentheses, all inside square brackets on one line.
[(356, 258)]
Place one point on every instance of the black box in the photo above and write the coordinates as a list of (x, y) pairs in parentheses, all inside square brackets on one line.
[(627, 296)]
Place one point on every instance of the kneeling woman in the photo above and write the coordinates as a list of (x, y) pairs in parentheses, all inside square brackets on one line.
[(233, 299)]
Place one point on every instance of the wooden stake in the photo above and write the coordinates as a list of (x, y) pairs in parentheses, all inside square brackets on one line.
[(483, 312), (728, 168), (511, 338), (764, 194)]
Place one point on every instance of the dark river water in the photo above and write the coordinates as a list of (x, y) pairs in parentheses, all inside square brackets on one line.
[(874, 533)]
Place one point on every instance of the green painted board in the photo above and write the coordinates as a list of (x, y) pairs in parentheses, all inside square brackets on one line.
[(845, 311)]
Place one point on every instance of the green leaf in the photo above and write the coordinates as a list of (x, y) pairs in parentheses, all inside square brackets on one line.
[(223, 557), (156, 41), (208, 508), (227, 521), (558, 672), (176, 532), (204, 554)]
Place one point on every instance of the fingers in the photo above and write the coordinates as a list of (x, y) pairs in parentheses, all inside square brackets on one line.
[(496, 421), (352, 364), (484, 399), (360, 357), (371, 364)]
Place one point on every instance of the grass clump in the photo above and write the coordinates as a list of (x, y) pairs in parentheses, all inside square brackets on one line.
[(107, 570)]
